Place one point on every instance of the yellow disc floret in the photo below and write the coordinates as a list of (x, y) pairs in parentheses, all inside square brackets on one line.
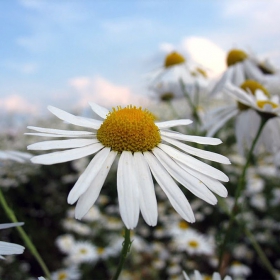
[(129, 129), (251, 86), (262, 103), (193, 243), (172, 59), (235, 56)]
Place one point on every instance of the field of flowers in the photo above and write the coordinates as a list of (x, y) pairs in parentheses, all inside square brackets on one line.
[(207, 189)]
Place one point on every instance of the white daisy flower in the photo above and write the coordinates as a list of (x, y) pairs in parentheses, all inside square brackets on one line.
[(7, 248), (197, 276), (241, 67), (194, 243), (83, 251), (15, 156), (71, 273), (65, 243), (144, 148), (238, 269), (255, 96)]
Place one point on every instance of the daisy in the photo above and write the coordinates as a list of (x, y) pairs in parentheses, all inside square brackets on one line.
[(7, 248), (176, 67), (144, 148), (252, 100), (194, 243), (82, 252), (240, 67), (238, 269), (198, 276)]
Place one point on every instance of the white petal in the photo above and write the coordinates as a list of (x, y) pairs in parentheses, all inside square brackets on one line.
[(239, 94), (191, 183), (220, 84), (128, 193), (61, 132), (259, 94), (99, 110), (173, 123), (55, 135), (80, 121), (67, 155), (62, 144), (194, 163), (252, 71), (213, 184), (88, 175), (198, 152), (218, 125), (7, 248), (9, 225), (88, 198), (148, 202), (239, 74), (191, 138), (173, 192)]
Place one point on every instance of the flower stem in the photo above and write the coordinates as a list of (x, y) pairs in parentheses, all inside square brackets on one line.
[(24, 236), (125, 249), (238, 191), (261, 254)]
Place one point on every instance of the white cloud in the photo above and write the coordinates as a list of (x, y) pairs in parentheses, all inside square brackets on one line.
[(103, 92), (24, 68), (17, 104), (206, 53)]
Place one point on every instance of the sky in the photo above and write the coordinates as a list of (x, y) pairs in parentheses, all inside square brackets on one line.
[(68, 53)]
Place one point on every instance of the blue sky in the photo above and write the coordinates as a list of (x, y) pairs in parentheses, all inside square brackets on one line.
[(64, 53)]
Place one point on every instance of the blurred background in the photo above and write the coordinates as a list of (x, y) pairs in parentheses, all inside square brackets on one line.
[(67, 53)]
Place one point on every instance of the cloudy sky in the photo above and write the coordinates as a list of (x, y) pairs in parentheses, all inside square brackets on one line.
[(67, 53)]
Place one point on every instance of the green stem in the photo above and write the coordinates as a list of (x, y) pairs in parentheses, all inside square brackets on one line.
[(257, 247), (24, 236), (125, 250), (240, 187)]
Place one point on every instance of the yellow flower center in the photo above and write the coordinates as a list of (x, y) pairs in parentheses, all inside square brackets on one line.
[(261, 103), (183, 225), (252, 86), (193, 243), (235, 56), (167, 96), (62, 276), (172, 59), (129, 129), (100, 250), (83, 251)]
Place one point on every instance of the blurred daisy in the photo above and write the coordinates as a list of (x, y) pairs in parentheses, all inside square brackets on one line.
[(83, 251), (197, 276), (252, 100), (176, 67), (240, 67), (238, 269), (65, 243), (15, 156), (7, 248), (144, 148), (71, 273), (194, 243)]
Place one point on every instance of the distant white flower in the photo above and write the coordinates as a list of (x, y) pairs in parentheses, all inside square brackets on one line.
[(238, 269), (7, 248), (65, 243), (71, 273), (83, 251), (197, 276), (144, 149), (241, 67), (194, 243), (15, 156)]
